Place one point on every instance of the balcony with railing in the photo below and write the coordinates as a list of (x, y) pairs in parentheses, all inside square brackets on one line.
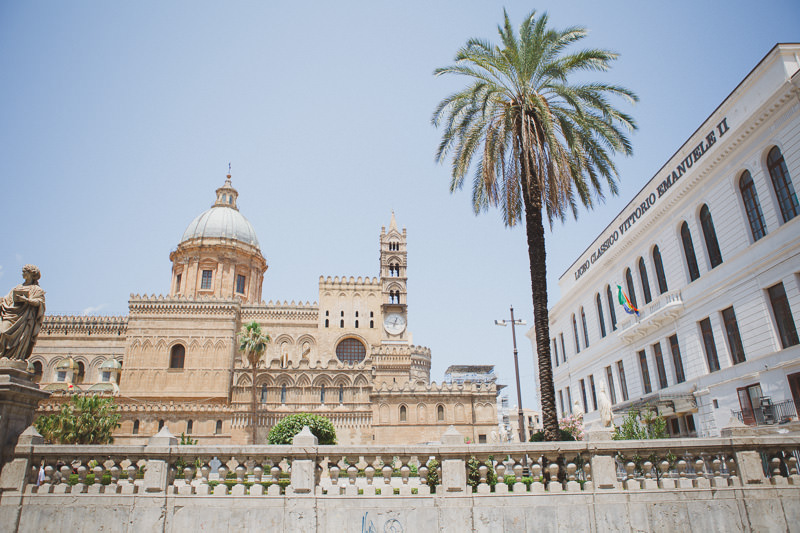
[(665, 308), (768, 413)]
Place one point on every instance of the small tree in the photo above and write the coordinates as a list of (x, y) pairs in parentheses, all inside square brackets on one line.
[(84, 420), (253, 343), (641, 425), (284, 431)]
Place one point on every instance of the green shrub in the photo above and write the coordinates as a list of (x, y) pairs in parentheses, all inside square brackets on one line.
[(433, 474), (284, 431), (539, 435), (641, 425)]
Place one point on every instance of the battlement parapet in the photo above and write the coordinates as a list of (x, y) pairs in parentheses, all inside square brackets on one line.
[(285, 311), (160, 305), (84, 325), (344, 282)]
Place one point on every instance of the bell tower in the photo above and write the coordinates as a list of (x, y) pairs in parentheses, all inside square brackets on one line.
[(393, 257)]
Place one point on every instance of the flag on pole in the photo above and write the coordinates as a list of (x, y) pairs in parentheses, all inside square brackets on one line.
[(626, 303)]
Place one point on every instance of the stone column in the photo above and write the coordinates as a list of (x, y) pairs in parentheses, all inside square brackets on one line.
[(304, 476), (19, 398), (604, 468), (454, 471), (156, 471)]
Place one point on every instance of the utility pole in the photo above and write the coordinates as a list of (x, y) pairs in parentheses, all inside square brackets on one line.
[(518, 322)]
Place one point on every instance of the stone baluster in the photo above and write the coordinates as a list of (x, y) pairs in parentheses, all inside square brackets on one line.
[(48, 484), (257, 489), (351, 489), (717, 480), (186, 488), (733, 472), (240, 489), (554, 485), (423, 489), (114, 487), (536, 475), (483, 485), (369, 474), (683, 482), (501, 487), (665, 481), (129, 487), (97, 487), (777, 478), (80, 487), (274, 488), (519, 486), (62, 485), (572, 478), (205, 471), (587, 475), (701, 480), (386, 488), (333, 474), (222, 488), (648, 483), (791, 464), (405, 473), (631, 483)]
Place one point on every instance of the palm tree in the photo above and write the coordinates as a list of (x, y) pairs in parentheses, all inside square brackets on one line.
[(541, 144), (253, 343)]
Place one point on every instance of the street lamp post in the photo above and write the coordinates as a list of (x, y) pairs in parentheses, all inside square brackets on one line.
[(513, 323)]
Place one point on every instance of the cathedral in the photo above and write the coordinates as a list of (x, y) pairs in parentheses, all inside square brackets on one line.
[(174, 360)]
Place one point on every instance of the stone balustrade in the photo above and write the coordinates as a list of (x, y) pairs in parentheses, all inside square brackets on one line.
[(739, 482)]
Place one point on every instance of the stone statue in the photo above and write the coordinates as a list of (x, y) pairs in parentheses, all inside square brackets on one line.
[(21, 314), (606, 416), (577, 410)]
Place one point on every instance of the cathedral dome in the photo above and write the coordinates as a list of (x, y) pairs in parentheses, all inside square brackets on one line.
[(223, 220)]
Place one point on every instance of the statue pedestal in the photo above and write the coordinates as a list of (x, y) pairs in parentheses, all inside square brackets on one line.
[(19, 397)]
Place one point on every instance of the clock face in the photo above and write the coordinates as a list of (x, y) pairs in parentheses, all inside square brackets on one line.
[(394, 323)]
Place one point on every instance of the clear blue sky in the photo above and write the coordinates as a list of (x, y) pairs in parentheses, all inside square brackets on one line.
[(119, 120)]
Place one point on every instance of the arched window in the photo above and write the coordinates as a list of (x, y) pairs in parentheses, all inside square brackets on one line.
[(160, 425), (440, 413), (283, 394), (135, 427), (782, 183), (322, 394), (585, 329), (629, 284), (341, 323), (688, 251), (710, 236), (341, 394), (403, 413), (599, 315), (610, 301), (645, 282), (351, 351), (80, 375), (218, 427), (575, 333), (752, 206), (177, 355), (662, 279), (327, 323), (37, 372), (189, 427), (264, 393)]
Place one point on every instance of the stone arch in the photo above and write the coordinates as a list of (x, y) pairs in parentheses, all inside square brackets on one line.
[(422, 414), (459, 410), (322, 380), (361, 381), (243, 380), (342, 379), (384, 413), (303, 381)]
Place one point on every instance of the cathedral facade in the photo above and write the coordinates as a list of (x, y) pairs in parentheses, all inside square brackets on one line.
[(174, 360)]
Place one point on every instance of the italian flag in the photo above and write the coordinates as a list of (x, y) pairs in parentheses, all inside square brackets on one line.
[(626, 303)]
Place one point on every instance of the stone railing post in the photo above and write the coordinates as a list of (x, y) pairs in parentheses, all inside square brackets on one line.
[(15, 476), (156, 471), (454, 471), (304, 477), (603, 466)]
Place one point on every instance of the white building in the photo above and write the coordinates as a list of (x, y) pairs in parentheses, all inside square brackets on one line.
[(709, 251)]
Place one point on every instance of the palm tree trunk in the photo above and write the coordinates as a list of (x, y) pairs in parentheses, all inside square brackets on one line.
[(253, 420), (534, 228)]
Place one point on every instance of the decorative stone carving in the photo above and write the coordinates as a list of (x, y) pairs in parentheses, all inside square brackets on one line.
[(21, 313)]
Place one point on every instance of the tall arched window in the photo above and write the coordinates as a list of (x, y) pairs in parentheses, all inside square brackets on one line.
[(440, 413), (80, 375), (135, 427), (322, 394), (189, 427), (710, 236), (160, 425), (752, 206), (629, 284), (575, 333), (662, 279), (782, 183), (585, 329), (645, 282), (264, 393), (611, 312), (177, 356), (341, 394), (599, 315), (283, 394), (688, 250), (403, 413), (218, 427)]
